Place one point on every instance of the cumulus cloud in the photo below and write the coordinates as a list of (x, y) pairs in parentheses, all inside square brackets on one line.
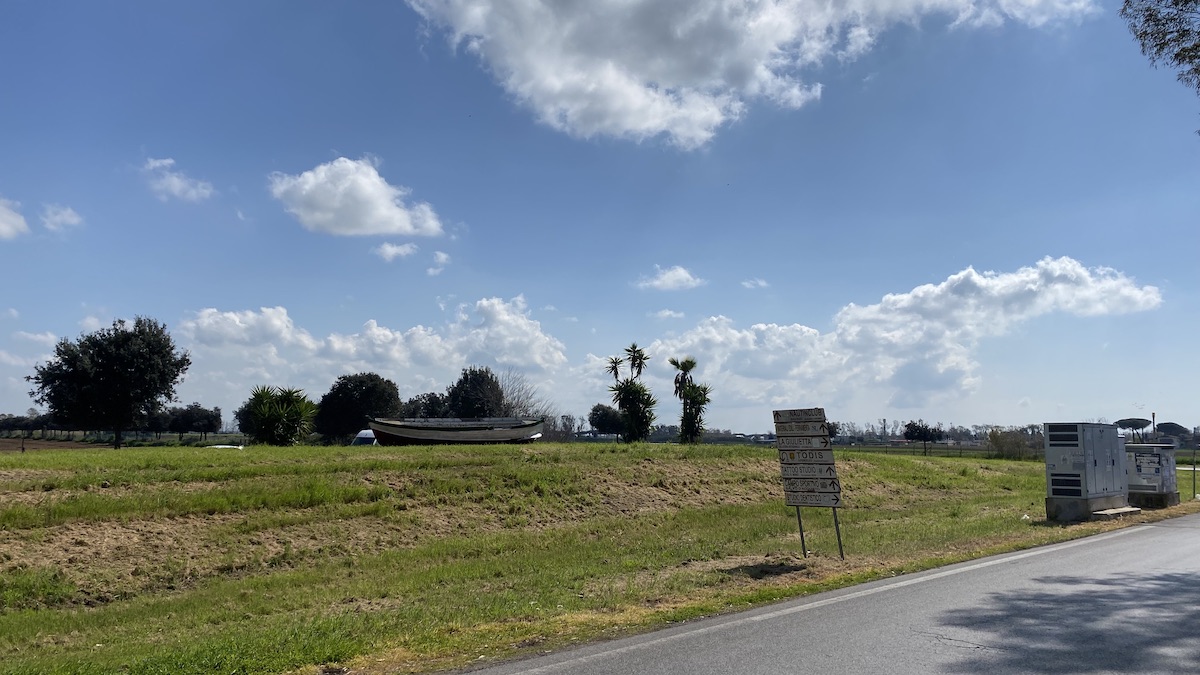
[(167, 183), (8, 359), (440, 260), (55, 217), (638, 69), (755, 283), (349, 197), (12, 223), (12, 313), (47, 338), (667, 314), (390, 252), (234, 350), (915, 346), (91, 323), (671, 279)]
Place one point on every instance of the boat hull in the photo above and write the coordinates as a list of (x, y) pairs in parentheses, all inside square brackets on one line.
[(441, 431)]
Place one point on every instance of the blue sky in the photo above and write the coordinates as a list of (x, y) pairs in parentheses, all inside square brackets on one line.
[(971, 212)]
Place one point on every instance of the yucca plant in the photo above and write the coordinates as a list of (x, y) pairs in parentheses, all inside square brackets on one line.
[(695, 397), (632, 397), (279, 416)]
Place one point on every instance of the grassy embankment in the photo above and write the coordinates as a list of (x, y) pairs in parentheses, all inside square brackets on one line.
[(192, 560)]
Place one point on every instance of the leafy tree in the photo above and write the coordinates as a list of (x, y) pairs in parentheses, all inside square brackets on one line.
[(834, 428), (920, 431), (606, 419), (631, 396), (477, 393), (1010, 444), (1169, 34), (114, 378), (194, 418), (1133, 424), (159, 422), (276, 416), (425, 406), (1173, 429), (344, 409)]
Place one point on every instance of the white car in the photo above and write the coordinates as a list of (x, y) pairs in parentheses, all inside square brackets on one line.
[(365, 437)]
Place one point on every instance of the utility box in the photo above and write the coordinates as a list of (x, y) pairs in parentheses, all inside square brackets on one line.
[(1150, 473), (1085, 470)]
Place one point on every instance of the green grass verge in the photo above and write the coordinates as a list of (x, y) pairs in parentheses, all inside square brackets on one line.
[(425, 559)]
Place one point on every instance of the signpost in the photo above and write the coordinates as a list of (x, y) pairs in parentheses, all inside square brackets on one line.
[(807, 466)]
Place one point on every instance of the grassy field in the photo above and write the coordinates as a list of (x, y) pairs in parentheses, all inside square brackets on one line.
[(268, 560)]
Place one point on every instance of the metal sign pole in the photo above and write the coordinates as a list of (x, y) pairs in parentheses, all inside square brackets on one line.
[(803, 546), (838, 528)]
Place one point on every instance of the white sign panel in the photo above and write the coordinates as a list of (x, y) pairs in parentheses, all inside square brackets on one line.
[(801, 429), (806, 457), (807, 471), (800, 415), (801, 442), (812, 499), (811, 485)]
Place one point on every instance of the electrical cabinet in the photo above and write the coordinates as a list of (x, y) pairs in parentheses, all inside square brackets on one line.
[(1085, 469)]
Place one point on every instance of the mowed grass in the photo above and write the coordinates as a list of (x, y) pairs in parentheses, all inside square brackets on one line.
[(267, 560)]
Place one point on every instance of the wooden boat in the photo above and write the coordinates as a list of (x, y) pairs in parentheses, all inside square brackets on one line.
[(441, 430)]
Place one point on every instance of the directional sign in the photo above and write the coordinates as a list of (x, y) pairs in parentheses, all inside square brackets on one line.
[(812, 499), (806, 457), (801, 442), (799, 415), (811, 485), (801, 429), (807, 471)]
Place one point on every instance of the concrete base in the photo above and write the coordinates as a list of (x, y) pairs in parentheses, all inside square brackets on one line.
[(1113, 514), (1074, 509), (1153, 500)]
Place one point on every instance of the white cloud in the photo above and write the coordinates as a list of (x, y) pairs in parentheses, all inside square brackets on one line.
[(12, 223), (349, 197), (921, 347), (755, 283), (671, 279), (268, 326), (167, 183), (235, 350), (47, 338), (13, 313), (8, 359), (390, 252), (638, 69), (55, 217), (91, 323), (667, 314), (915, 347), (440, 260)]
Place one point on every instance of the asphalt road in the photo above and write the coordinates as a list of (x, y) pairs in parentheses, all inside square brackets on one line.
[(1123, 602)]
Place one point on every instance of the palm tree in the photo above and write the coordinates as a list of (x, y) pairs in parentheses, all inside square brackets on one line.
[(632, 397), (614, 366), (637, 359), (684, 377), (695, 398)]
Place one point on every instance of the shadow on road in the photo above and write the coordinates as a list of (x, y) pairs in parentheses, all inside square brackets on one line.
[(1138, 623)]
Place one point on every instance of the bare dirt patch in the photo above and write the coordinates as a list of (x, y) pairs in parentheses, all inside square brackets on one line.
[(32, 444)]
